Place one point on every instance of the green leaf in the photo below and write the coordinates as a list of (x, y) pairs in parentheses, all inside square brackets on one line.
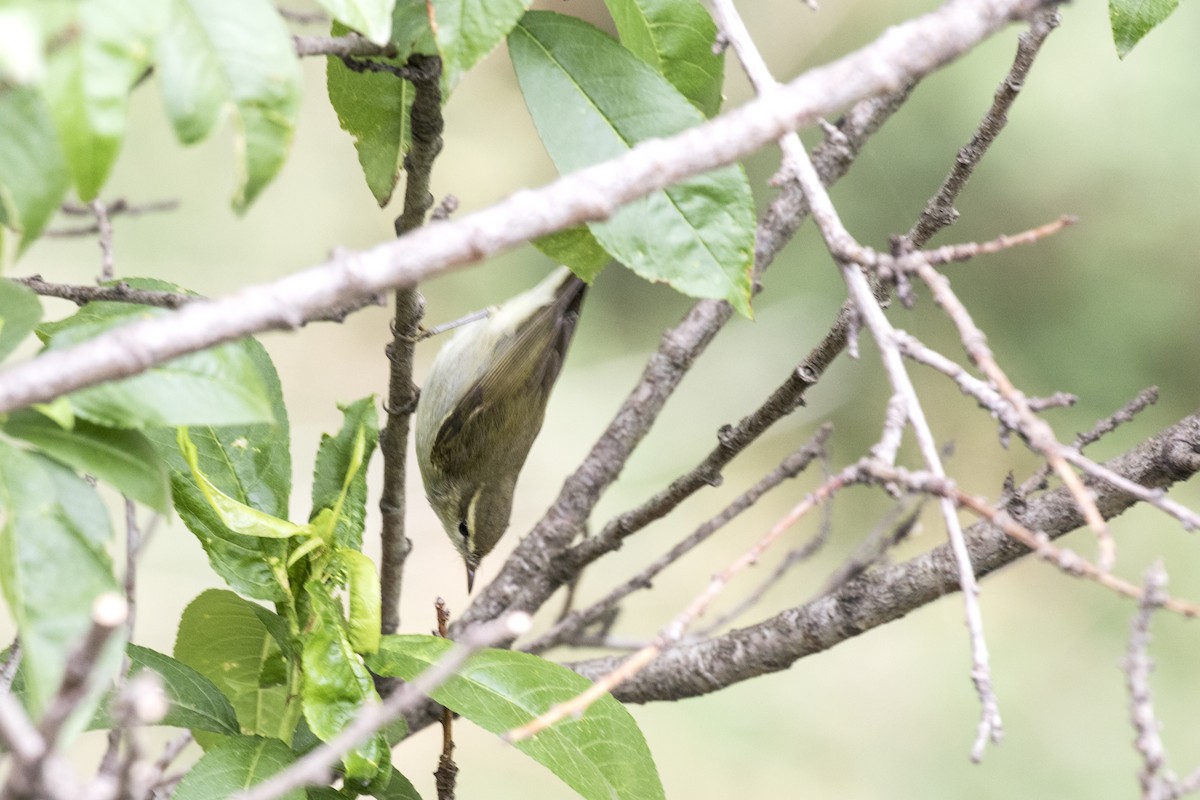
[(219, 386), (371, 18), (467, 30), (593, 100), (54, 563), (222, 637), (362, 581), (251, 463), (340, 475), (374, 107), (234, 514), (20, 310), (337, 684), (1133, 19), (235, 765), (123, 458), (193, 701), (676, 37), (217, 56), (398, 788), (600, 754), (576, 248), (102, 50), (33, 172)]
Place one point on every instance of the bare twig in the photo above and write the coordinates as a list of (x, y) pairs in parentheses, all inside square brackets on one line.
[(1144, 399), (576, 621), (940, 211), (118, 207), (1138, 667), (104, 228), (447, 772), (426, 123), (121, 292), (846, 251), (674, 631)]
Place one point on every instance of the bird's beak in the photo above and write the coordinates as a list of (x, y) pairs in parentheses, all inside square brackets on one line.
[(470, 578)]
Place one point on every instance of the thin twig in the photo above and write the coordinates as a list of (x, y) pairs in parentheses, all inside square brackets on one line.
[(1145, 398), (940, 211), (674, 631), (104, 228), (445, 776), (577, 620), (426, 123), (794, 556), (121, 292), (115, 208), (1138, 667), (1037, 541), (846, 251)]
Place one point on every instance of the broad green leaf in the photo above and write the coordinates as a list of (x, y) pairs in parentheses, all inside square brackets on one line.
[(362, 582), (251, 463), (371, 18), (600, 754), (235, 765), (221, 637), (337, 684), (373, 107), (576, 248), (124, 459), (340, 475), (20, 310), (1133, 19), (54, 563), (467, 30), (676, 37), (216, 56), (592, 100), (33, 171), (193, 701), (398, 788), (219, 386), (234, 514), (100, 53)]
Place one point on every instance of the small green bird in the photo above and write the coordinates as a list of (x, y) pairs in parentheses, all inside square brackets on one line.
[(483, 405)]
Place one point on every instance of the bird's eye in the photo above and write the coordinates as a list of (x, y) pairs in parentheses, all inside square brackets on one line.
[(463, 530)]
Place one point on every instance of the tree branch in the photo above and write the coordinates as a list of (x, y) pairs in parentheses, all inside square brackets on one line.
[(902, 54), (890, 593)]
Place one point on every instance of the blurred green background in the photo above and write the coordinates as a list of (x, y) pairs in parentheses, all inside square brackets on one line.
[(1102, 311)]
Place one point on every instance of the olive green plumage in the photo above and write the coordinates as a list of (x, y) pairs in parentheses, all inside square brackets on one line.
[(482, 406)]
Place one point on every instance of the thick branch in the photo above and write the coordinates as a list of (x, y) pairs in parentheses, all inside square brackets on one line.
[(888, 594)]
